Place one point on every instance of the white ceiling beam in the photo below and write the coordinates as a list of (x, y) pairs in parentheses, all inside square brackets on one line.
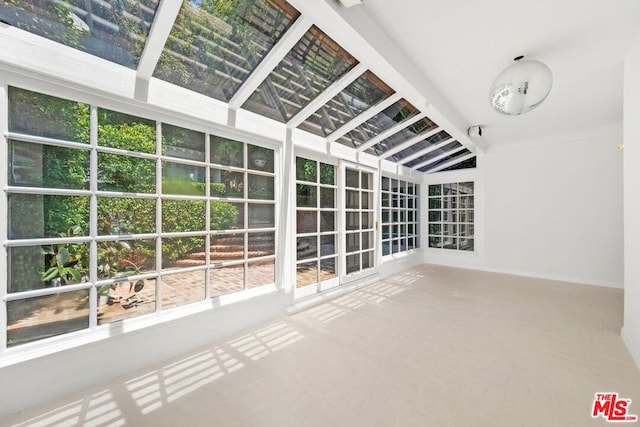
[(270, 61), (451, 163), (427, 150), (325, 96), (363, 117), (439, 157), (409, 142), (162, 23), (391, 131)]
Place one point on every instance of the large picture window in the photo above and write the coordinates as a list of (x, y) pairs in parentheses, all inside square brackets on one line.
[(112, 216), (400, 216), (451, 216)]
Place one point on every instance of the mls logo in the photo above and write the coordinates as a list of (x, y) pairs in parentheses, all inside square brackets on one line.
[(611, 408)]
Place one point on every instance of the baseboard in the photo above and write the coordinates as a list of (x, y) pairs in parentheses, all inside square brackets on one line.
[(632, 347)]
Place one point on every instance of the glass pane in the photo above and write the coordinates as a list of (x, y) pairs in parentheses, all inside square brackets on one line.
[(353, 242), (214, 46), (386, 232), (353, 263), (466, 230), (435, 242), (306, 170), (422, 145), (226, 215), (466, 245), (328, 245), (367, 220), (182, 252), (183, 215), (38, 267), (367, 202), (366, 91), (367, 179), (182, 143), (327, 174), (261, 273), (262, 216), (306, 274), (260, 158), (465, 187), (124, 258), (327, 197), (126, 174), (466, 202), (456, 155), (227, 152), (327, 221), (309, 68), (126, 216), (430, 155), (395, 246), (35, 165), (450, 243), (36, 216), (465, 164), (261, 187), (181, 179), (328, 269), (37, 318), (385, 216), (226, 280), (116, 32), (450, 229), (353, 220), (391, 116), (367, 260), (306, 247), (56, 117), (352, 178), (262, 244), (435, 203), (367, 241), (306, 222), (125, 300), (306, 196), (385, 199), (421, 126), (449, 216), (386, 248), (183, 288), (227, 184), (119, 130), (227, 247), (353, 199)]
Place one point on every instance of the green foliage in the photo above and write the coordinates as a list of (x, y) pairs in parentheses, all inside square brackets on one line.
[(218, 189), (67, 261), (222, 214)]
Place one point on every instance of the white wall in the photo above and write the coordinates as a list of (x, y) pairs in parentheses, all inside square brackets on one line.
[(550, 209), (631, 329)]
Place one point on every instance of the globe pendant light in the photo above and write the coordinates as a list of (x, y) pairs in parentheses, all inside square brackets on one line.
[(521, 87)]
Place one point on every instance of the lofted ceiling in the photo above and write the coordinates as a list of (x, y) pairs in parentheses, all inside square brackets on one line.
[(460, 46)]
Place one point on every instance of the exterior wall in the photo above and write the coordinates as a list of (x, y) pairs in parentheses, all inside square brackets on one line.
[(631, 329)]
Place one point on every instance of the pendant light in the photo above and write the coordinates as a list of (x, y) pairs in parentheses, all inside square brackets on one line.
[(521, 87)]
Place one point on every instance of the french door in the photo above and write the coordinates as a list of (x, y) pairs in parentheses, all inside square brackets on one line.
[(359, 189)]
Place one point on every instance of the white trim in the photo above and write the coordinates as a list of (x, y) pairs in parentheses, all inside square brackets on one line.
[(270, 61), (452, 162), (425, 151), (363, 117), (440, 157), (93, 216), (325, 96), (4, 209), (163, 20)]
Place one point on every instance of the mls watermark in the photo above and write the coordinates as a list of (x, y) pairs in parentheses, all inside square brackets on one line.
[(612, 408)]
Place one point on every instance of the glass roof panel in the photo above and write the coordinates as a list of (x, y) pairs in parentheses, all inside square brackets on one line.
[(112, 30), (419, 146), (466, 164), (215, 45), (421, 126), (389, 117), (309, 68), (435, 153), (365, 92), (445, 160)]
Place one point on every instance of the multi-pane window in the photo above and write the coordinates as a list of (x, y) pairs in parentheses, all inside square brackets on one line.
[(400, 216), (359, 222), (451, 216), (113, 216)]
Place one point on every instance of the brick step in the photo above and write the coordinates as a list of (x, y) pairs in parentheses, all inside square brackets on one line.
[(240, 248), (234, 241), (225, 255), (185, 263)]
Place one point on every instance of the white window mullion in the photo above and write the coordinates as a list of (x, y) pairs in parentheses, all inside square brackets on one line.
[(4, 181), (409, 142), (439, 157), (363, 117), (93, 218), (425, 151), (452, 163), (391, 131), (207, 241), (158, 216)]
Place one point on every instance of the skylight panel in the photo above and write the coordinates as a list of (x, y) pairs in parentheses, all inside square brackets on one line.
[(116, 31), (447, 159), (419, 146), (214, 46), (365, 92), (389, 117), (465, 164), (421, 126), (308, 69), (433, 154)]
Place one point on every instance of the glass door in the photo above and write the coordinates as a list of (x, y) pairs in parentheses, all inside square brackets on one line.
[(359, 220), (316, 227)]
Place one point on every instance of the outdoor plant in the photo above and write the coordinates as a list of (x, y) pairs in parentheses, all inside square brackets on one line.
[(66, 262)]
